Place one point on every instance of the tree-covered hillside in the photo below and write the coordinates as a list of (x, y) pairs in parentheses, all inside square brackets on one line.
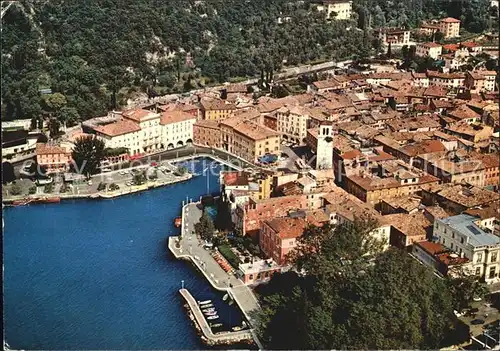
[(98, 52)]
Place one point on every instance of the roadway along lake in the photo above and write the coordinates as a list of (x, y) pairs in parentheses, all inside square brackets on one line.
[(97, 274)]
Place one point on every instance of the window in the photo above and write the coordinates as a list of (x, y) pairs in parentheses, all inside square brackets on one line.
[(478, 271), (479, 258), (494, 257)]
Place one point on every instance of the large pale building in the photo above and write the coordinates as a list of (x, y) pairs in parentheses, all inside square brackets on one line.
[(250, 141), (450, 27), (462, 235), (336, 9), (143, 131), (177, 128), (292, 123)]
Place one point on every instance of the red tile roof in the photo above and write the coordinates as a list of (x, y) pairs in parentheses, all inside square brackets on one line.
[(137, 115), (449, 20), (287, 228), (121, 127), (175, 116)]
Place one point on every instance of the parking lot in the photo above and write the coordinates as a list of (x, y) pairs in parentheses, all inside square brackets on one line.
[(122, 178)]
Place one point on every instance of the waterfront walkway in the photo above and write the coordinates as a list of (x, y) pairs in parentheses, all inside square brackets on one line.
[(189, 246), (219, 338)]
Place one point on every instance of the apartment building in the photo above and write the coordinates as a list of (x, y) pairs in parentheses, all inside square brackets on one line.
[(393, 36), (216, 109), (336, 9), (251, 141), (150, 134), (450, 167), (390, 179), (177, 128), (55, 159), (462, 235), (457, 198), (450, 27), (343, 208), (432, 50), (123, 133), (207, 133), (292, 123), (278, 237), (480, 81), (447, 80)]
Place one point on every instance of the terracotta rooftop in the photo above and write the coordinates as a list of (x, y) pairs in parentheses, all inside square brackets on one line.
[(413, 224), (424, 147), (432, 248), (138, 115), (487, 211), (465, 195), (206, 123), (121, 127), (216, 104), (449, 20), (235, 178), (46, 149), (287, 228), (255, 131), (175, 116), (431, 45)]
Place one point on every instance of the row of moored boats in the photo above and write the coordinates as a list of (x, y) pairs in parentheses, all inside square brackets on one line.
[(209, 311)]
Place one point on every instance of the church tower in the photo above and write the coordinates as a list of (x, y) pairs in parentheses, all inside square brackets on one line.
[(324, 147)]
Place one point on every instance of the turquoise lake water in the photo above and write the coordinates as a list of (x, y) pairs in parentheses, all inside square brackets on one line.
[(88, 274)]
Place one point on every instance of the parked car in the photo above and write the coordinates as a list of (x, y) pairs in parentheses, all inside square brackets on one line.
[(477, 299), (123, 172), (477, 321)]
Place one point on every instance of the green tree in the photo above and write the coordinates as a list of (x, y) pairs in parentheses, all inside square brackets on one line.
[(223, 221), (68, 115), (101, 186), (54, 126), (55, 102), (464, 286), (352, 296), (87, 154), (205, 227), (139, 179), (114, 187), (32, 190), (15, 189), (49, 188)]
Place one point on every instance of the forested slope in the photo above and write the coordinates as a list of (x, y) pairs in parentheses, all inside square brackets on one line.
[(96, 52)]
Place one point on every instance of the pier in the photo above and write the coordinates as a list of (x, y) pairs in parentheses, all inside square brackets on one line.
[(211, 338), (188, 246)]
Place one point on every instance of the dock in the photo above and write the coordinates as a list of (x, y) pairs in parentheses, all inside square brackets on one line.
[(210, 337), (188, 246)]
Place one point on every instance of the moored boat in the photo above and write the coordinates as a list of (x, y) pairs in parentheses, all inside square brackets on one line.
[(207, 306), (212, 309), (48, 200), (178, 222), (204, 302), (213, 317), (215, 325), (210, 313), (236, 328)]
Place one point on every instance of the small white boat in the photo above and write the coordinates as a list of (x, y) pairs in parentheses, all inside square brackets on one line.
[(236, 328), (207, 306), (224, 298), (204, 302), (213, 317), (212, 309), (215, 325), (210, 313)]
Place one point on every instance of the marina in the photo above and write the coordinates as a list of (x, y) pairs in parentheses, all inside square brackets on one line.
[(108, 282), (211, 338)]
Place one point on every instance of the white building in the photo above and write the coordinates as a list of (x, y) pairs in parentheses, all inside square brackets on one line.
[(177, 128), (324, 147), (143, 131), (337, 9), (292, 123), (462, 235), (432, 50)]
